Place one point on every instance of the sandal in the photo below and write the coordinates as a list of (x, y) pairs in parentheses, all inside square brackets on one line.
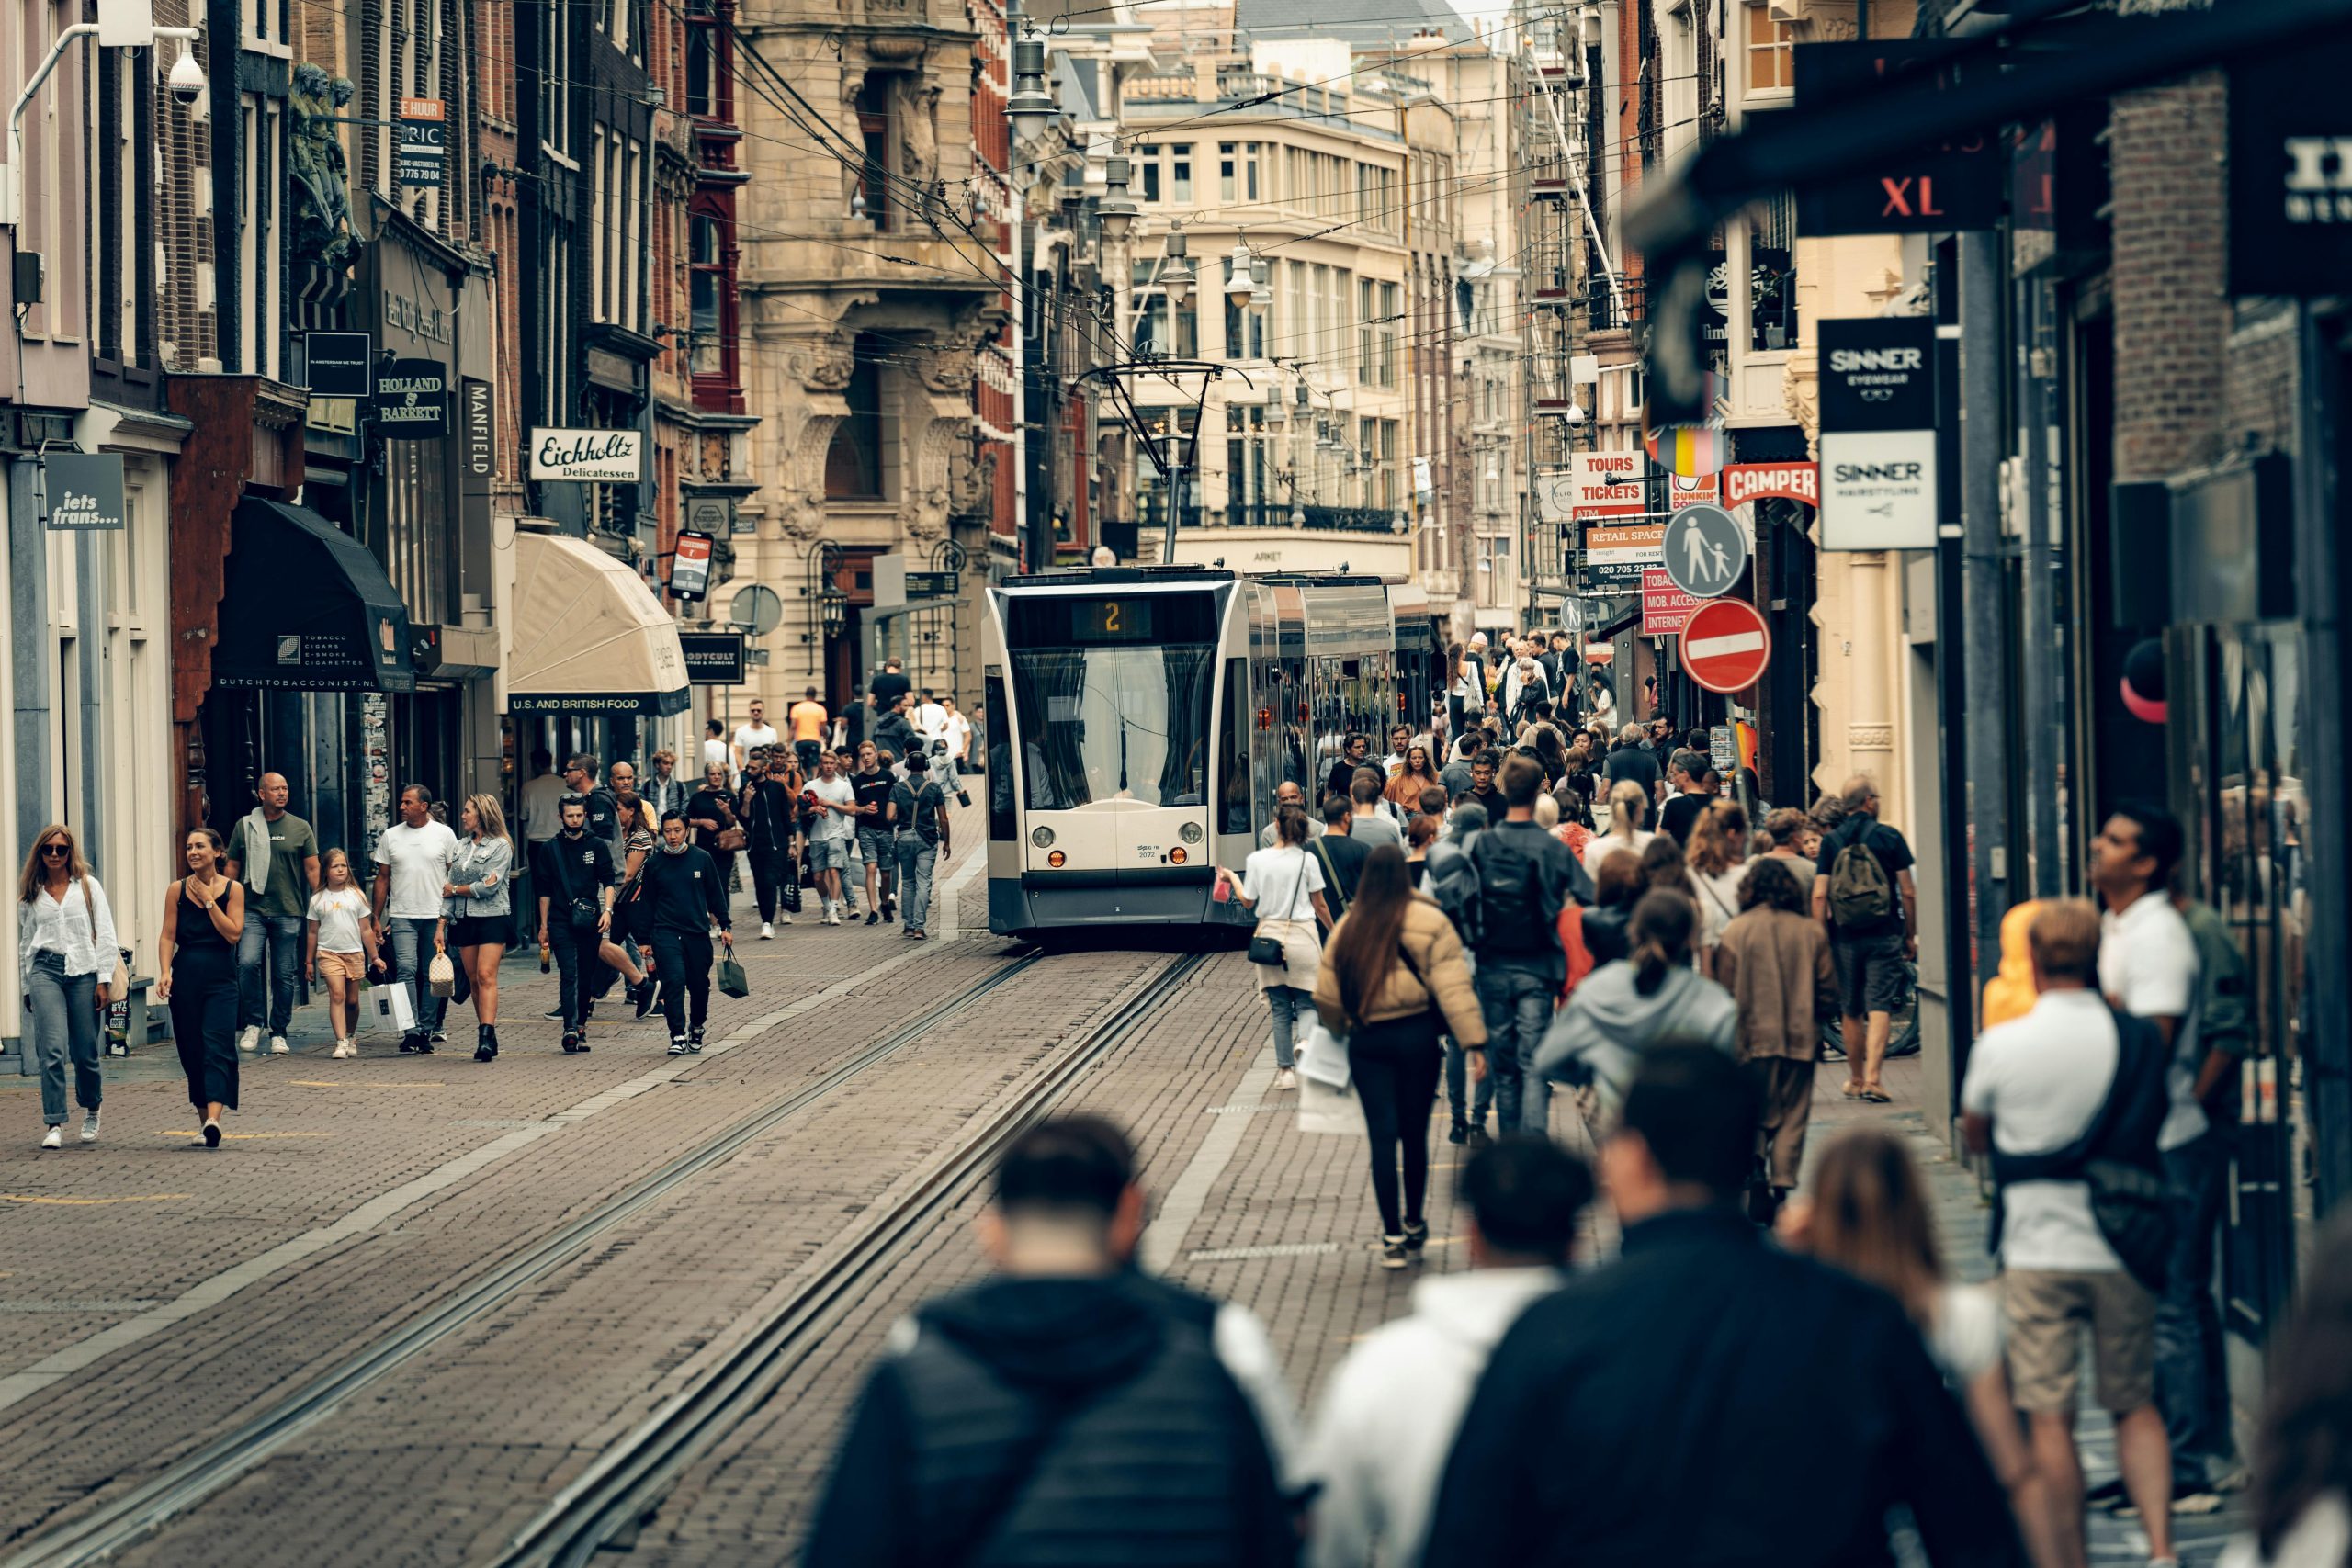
[(1851, 1090), (1877, 1096)]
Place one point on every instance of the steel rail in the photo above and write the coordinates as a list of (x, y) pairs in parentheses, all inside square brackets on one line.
[(628, 1482), (131, 1517)]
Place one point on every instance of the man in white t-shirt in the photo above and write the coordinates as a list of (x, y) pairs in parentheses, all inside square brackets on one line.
[(413, 861), (959, 747), (2148, 967), (2034, 1086), (831, 804), (755, 734)]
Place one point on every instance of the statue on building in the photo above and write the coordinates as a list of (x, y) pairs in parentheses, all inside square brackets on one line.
[(321, 174), (918, 132)]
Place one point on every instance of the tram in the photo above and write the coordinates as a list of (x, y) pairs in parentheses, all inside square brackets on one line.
[(1140, 718)]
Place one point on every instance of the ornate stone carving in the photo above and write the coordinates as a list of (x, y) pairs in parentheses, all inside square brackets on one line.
[(972, 488), (897, 50), (919, 130), (320, 174), (1869, 737), (823, 363)]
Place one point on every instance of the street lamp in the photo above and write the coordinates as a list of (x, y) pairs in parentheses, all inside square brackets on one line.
[(1116, 212), (1262, 288), (1238, 283), (1176, 271), (1031, 107)]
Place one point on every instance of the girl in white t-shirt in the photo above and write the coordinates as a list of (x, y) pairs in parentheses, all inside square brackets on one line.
[(343, 947), (1284, 886)]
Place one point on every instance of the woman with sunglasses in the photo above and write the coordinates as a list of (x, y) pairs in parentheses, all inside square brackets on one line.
[(196, 967), (65, 948)]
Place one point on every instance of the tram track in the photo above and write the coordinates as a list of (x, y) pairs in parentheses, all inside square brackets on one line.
[(124, 1521), (626, 1485)]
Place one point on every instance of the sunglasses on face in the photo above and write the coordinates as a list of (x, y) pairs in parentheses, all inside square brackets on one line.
[(53, 850)]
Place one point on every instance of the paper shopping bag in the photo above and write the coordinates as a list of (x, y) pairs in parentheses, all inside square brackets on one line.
[(731, 979), (391, 1009), (1322, 1109)]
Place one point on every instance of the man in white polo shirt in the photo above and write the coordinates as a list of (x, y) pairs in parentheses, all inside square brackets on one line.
[(2034, 1086), (2148, 967)]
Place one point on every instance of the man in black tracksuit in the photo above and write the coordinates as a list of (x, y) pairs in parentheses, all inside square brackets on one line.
[(683, 903), (573, 873), (1068, 1410)]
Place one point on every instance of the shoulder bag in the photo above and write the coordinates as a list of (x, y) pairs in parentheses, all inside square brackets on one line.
[(1268, 950)]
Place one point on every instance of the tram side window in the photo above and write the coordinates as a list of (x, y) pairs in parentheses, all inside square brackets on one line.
[(1001, 827), (1234, 787)]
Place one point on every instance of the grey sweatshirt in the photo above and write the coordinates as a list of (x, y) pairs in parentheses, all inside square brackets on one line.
[(1599, 1036)]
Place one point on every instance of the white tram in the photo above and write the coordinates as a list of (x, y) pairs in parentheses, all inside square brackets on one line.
[(1139, 718)]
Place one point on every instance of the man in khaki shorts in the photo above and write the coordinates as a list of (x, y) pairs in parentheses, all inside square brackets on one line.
[(2034, 1087)]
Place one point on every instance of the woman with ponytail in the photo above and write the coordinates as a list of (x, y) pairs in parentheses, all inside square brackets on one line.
[(1651, 997), (1627, 801)]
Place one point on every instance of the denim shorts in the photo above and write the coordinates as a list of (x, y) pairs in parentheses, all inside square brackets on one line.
[(875, 846), (828, 854)]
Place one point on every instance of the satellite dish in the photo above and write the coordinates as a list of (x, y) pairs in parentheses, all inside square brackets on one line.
[(756, 609)]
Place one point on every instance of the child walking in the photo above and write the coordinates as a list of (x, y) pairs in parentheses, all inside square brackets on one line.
[(343, 947)]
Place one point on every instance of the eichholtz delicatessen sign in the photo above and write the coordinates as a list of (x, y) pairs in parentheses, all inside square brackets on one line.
[(598, 456)]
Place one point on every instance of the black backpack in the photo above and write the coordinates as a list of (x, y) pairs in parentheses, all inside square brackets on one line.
[(1509, 910)]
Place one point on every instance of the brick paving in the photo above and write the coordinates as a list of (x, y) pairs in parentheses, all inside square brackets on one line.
[(441, 1459)]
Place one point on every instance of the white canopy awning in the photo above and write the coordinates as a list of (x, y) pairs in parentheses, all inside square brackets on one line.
[(588, 636)]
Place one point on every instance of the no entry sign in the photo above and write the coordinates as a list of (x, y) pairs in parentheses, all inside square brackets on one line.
[(1726, 646)]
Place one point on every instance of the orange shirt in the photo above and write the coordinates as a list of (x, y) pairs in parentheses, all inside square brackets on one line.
[(808, 720)]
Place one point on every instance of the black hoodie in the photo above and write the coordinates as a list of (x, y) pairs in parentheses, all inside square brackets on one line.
[(1061, 1420)]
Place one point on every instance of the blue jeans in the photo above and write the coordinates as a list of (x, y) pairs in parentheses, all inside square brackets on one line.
[(1518, 1005), (1458, 1075), (63, 1024), (411, 950), (269, 997), (2192, 1386), (917, 860), (1294, 1011)]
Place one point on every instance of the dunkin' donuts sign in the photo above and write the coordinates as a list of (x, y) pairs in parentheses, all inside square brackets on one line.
[(1789, 481)]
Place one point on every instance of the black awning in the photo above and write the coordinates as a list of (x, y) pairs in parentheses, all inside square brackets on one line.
[(1609, 632), (306, 608)]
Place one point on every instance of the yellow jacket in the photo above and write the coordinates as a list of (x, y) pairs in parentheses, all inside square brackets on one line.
[(1436, 978)]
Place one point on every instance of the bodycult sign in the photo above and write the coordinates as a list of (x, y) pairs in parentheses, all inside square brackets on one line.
[(2290, 173), (1878, 434)]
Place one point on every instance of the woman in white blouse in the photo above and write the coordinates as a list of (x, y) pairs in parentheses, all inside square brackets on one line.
[(1285, 885), (66, 950)]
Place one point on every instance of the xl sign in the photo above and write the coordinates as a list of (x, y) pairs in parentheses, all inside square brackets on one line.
[(1959, 185)]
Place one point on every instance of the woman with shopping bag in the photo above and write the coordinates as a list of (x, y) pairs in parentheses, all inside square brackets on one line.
[(1392, 980), (1284, 885)]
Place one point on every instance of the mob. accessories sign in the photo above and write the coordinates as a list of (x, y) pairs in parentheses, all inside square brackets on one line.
[(2290, 173), (1878, 434)]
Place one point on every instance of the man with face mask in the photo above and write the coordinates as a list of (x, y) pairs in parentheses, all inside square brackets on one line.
[(686, 907), (575, 880)]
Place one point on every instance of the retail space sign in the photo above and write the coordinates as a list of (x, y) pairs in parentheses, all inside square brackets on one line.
[(1878, 434), (2290, 171), (421, 148), (713, 658), (412, 400), (1705, 551), (340, 364), (1961, 181), (690, 567), (84, 490), (596, 457), (1744, 482), (1726, 646), (1608, 484), (1666, 609), (1614, 557)]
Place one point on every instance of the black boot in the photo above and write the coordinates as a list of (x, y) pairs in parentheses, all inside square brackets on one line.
[(693, 1040), (485, 1042)]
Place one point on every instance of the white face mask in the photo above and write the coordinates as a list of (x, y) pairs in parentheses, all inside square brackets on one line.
[(677, 849)]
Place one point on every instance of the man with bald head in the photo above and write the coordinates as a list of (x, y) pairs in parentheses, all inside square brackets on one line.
[(1285, 793), (276, 855)]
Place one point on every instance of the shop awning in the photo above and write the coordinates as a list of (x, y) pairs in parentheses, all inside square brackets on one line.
[(305, 607), (589, 637)]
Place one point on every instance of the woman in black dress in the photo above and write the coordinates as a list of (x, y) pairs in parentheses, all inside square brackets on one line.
[(204, 914)]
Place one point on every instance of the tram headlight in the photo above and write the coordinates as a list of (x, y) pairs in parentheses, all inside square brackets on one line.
[(1057, 858), (1176, 855), (1043, 838), (1190, 832)]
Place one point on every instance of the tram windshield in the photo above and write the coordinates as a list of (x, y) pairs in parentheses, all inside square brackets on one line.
[(1112, 698)]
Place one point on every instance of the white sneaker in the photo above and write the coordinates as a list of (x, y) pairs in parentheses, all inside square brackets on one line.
[(278, 1046), (342, 1050), (90, 1128), (784, 920), (832, 916), (767, 929), (249, 1040), (53, 1139), (1284, 1079)]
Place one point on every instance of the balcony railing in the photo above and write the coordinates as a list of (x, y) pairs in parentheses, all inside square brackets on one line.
[(1277, 515)]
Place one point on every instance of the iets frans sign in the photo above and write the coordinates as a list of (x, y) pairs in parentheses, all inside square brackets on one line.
[(602, 456), (1745, 483)]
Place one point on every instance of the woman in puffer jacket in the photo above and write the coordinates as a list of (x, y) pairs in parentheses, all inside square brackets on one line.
[(1392, 980)]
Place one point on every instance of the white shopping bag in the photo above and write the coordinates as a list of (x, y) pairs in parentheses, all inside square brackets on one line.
[(391, 1007), (1324, 1058), (1322, 1109)]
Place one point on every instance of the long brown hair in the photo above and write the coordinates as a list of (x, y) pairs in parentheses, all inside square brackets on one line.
[(1871, 1218), (77, 868), (1363, 947), (1659, 931), (1716, 837)]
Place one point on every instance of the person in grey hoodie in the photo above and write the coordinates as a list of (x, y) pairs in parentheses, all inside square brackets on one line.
[(1652, 998), (1389, 1417)]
